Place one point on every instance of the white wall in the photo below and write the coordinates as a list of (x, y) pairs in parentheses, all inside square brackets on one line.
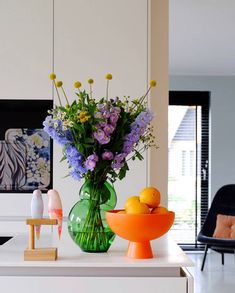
[(25, 61), (26, 49), (90, 39), (99, 37), (222, 134)]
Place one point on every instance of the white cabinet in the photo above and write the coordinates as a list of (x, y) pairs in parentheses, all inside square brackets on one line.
[(94, 284)]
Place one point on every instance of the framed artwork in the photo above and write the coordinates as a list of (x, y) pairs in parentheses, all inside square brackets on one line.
[(25, 149)]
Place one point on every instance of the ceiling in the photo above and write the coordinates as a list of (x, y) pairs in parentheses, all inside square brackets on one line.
[(202, 37)]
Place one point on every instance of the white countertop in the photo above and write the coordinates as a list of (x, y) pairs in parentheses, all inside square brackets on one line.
[(168, 258)]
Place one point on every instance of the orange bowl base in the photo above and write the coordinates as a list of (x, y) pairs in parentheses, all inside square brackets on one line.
[(139, 250)]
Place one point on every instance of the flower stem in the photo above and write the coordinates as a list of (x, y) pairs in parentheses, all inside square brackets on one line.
[(91, 91), (93, 236), (65, 95), (107, 90), (58, 95)]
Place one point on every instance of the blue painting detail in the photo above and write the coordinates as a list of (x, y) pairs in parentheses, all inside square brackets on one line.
[(25, 158)]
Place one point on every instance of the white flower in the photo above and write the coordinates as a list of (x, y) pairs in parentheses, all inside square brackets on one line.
[(45, 178), (45, 143), (41, 163), (36, 140)]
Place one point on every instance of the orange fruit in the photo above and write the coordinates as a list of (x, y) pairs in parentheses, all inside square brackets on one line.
[(137, 208), (150, 196), (131, 200), (159, 210)]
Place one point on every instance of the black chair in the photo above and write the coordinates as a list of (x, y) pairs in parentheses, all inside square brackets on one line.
[(223, 203)]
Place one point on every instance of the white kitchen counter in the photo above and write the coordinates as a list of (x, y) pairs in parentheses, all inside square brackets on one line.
[(166, 265)]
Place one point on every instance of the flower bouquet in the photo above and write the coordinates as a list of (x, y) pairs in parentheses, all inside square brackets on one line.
[(98, 138)]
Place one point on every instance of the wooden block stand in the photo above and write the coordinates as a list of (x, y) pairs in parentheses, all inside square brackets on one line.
[(32, 253)]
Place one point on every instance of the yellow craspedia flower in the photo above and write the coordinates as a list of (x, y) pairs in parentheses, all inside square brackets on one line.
[(52, 76), (59, 83), (77, 84), (153, 83), (90, 81), (108, 76), (83, 116)]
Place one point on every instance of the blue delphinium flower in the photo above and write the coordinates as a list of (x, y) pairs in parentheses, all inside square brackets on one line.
[(75, 159), (138, 128), (54, 128), (118, 161)]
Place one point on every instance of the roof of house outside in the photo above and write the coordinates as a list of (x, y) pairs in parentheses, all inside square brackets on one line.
[(186, 129)]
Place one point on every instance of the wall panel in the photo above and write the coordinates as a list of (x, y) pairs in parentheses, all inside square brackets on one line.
[(26, 49), (91, 39)]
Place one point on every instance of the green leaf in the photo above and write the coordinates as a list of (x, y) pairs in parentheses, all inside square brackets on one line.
[(63, 158), (80, 148), (122, 172), (78, 127), (89, 140), (86, 145), (138, 155)]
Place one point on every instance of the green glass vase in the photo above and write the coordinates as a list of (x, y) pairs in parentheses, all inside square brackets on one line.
[(87, 225)]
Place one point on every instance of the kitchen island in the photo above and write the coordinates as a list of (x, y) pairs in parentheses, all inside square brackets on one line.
[(78, 271)]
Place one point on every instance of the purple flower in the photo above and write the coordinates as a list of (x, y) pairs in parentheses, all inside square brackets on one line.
[(127, 147), (94, 157), (98, 115), (144, 117), (91, 162), (101, 137), (108, 129), (102, 107), (115, 110), (104, 140), (107, 155), (99, 134), (138, 128), (132, 137), (113, 118), (101, 124), (118, 161), (106, 114)]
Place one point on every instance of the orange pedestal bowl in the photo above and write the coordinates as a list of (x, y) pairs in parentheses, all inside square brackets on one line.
[(139, 230)]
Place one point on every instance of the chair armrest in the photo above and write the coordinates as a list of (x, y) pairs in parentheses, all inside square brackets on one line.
[(215, 241)]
